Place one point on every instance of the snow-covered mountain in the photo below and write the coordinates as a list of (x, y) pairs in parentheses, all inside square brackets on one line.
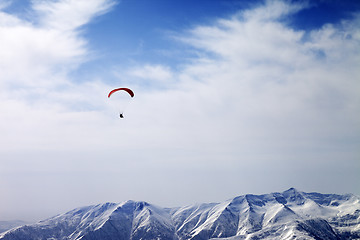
[(6, 225), (288, 215)]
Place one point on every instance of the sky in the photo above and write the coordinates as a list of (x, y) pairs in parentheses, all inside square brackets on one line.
[(231, 97)]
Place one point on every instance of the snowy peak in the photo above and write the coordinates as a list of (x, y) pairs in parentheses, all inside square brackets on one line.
[(132, 220), (287, 215), (190, 219), (147, 217)]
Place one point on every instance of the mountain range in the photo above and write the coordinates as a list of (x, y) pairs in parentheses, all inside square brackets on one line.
[(291, 214)]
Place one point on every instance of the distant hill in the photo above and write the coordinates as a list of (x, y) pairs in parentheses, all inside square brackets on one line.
[(287, 215)]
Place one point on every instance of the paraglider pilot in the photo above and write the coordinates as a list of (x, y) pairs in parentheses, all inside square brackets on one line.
[(121, 115)]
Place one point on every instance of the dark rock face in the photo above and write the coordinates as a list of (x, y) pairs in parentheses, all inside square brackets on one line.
[(287, 215)]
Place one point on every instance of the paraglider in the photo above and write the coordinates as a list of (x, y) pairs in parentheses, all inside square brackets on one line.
[(127, 90)]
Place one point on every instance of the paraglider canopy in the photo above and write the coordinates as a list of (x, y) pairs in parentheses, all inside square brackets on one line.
[(128, 90)]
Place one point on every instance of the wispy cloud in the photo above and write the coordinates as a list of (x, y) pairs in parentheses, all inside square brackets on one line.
[(4, 4), (154, 73), (270, 72), (69, 14), (36, 58), (274, 10), (41, 54)]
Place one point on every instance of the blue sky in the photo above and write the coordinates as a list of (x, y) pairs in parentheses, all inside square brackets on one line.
[(231, 97)]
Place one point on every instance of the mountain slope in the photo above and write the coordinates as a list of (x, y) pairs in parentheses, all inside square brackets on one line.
[(287, 215), (6, 225)]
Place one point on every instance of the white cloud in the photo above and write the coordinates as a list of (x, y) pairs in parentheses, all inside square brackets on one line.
[(156, 73), (37, 96), (41, 55), (273, 11), (268, 71), (4, 4), (70, 14)]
